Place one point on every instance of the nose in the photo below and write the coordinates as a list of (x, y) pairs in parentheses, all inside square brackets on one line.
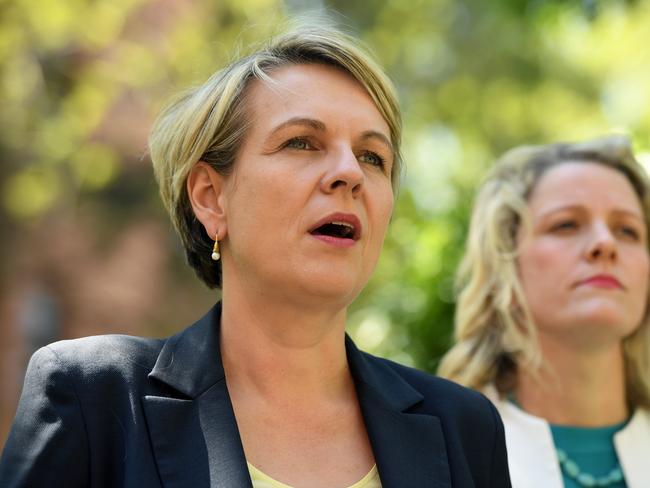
[(344, 173), (602, 245)]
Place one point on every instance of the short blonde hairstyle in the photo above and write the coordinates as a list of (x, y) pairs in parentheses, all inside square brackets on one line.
[(494, 330), (208, 123)]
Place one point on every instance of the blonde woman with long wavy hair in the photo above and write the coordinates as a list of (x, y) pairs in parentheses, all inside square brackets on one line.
[(552, 314)]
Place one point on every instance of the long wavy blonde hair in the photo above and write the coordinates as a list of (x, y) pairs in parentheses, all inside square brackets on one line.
[(495, 334)]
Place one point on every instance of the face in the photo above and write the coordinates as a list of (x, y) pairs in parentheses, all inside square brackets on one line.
[(310, 197), (584, 266)]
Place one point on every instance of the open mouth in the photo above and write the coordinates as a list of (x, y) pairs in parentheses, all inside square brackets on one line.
[(341, 230)]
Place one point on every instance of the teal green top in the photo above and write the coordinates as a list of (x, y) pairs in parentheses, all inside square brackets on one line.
[(591, 449)]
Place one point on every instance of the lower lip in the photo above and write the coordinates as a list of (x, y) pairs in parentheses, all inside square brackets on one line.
[(605, 283), (335, 241)]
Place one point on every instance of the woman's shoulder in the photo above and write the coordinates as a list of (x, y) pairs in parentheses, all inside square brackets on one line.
[(469, 422), (91, 359), (440, 395)]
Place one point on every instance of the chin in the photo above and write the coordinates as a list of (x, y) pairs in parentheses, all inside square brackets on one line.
[(613, 326), (339, 288), (590, 327), (610, 314), (321, 281), (336, 290)]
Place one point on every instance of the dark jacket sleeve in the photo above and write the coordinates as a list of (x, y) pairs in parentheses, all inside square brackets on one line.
[(47, 444), (500, 475)]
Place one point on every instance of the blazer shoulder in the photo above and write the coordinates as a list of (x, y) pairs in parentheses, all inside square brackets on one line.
[(90, 359), (426, 382), (79, 411), (440, 394)]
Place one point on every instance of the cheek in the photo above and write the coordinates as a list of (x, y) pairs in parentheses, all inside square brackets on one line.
[(387, 209), (380, 214), (382, 201), (639, 268), (535, 258), (540, 268), (252, 220)]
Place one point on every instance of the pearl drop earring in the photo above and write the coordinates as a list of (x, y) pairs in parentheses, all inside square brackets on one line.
[(215, 249)]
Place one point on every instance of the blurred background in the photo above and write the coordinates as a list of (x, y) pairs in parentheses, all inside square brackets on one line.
[(85, 245)]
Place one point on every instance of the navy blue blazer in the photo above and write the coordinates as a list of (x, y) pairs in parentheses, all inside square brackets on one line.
[(112, 411)]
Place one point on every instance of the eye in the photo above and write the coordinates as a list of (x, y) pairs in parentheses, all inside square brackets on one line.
[(564, 225), (630, 232), (372, 158), (299, 143)]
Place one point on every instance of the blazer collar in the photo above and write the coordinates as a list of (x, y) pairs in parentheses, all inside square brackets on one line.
[(190, 361), (192, 425), (395, 393), (195, 435), (632, 444), (409, 447)]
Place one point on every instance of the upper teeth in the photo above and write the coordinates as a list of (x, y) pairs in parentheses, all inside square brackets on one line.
[(346, 224)]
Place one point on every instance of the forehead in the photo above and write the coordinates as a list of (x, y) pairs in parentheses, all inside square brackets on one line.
[(577, 183), (296, 89)]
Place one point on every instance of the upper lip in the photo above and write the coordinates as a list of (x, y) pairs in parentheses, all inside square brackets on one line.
[(602, 277), (341, 218)]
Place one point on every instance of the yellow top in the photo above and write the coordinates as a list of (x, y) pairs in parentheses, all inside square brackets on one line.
[(261, 480)]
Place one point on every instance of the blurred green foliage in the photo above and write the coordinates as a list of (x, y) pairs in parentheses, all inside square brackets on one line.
[(81, 80)]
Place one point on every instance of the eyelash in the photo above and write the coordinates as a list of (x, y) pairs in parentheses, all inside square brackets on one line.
[(571, 225), (305, 145), (631, 232), (380, 162), (564, 225)]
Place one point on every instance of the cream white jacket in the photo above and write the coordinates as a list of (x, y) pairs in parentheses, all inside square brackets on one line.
[(531, 452)]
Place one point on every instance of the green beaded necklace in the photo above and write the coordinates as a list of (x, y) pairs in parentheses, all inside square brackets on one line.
[(572, 470)]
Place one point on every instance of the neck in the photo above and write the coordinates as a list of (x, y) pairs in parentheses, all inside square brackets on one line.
[(578, 388), (283, 351)]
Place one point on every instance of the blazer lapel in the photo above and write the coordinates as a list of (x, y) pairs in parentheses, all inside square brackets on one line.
[(192, 424), (409, 448), (194, 432), (177, 440)]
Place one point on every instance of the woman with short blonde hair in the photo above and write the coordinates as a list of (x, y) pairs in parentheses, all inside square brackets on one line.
[(208, 123), (279, 174)]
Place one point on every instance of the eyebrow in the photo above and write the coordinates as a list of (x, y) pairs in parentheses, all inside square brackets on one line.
[(621, 211), (373, 134), (320, 126), (301, 121)]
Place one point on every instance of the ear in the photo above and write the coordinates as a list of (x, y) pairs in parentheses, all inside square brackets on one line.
[(205, 189)]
